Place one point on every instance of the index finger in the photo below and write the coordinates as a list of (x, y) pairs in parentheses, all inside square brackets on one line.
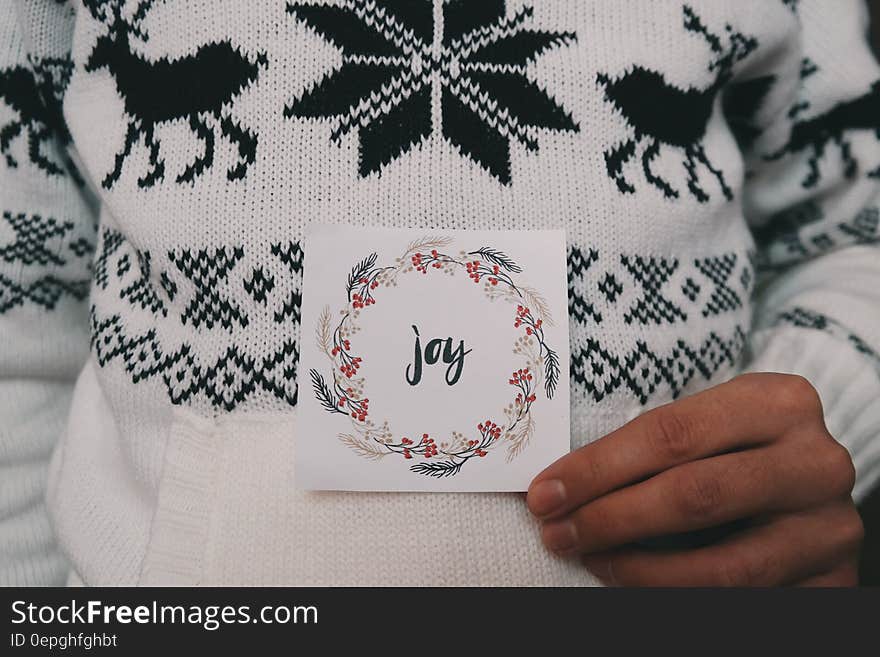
[(746, 411)]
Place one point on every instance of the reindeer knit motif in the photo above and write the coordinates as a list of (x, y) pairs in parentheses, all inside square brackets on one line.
[(715, 166)]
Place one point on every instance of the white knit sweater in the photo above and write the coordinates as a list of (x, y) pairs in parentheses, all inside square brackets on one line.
[(715, 166)]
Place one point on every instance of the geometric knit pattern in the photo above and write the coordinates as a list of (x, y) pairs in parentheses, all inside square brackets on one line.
[(204, 277), (291, 255), (718, 270), (642, 371), (111, 240), (193, 292), (801, 232), (141, 292), (32, 236), (651, 274), (45, 291), (580, 307), (652, 290), (225, 382), (41, 249), (805, 318), (205, 271)]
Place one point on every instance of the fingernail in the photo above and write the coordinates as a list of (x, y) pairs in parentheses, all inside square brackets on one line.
[(560, 536), (546, 497)]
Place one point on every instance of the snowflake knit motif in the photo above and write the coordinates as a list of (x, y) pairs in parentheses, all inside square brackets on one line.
[(396, 64)]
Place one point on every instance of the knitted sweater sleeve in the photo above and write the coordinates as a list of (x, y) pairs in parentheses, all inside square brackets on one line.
[(47, 227), (812, 198)]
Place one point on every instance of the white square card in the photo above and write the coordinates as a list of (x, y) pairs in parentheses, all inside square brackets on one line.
[(431, 360)]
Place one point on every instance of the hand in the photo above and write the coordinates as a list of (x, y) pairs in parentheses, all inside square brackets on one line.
[(753, 451)]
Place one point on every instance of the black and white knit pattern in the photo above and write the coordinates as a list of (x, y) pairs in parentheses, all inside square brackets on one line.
[(713, 165)]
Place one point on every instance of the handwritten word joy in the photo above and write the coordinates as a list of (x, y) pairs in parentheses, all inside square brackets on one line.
[(434, 349)]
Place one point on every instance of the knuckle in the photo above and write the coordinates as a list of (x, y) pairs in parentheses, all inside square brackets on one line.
[(748, 570), (593, 470), (797, 396), (699, 498), (597, 523), (850, 577), (839, 468), (852, 532), (582, 473), (673, 435), (730, 573), (752, 382)]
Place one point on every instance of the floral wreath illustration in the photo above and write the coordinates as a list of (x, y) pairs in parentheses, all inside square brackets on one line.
[(345, 393)]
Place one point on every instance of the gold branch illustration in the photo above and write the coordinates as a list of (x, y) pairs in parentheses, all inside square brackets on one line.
[(363, 448), (322, 332)]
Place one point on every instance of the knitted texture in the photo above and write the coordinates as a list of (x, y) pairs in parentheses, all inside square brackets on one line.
[(715, 167)]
